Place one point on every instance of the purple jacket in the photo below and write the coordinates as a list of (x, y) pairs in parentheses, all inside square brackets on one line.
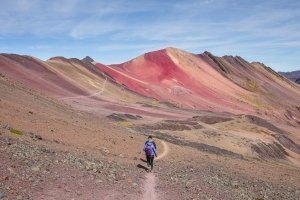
[(153, 152)]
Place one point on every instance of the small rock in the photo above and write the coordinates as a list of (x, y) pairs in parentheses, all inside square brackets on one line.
[(35, 136), (6, 126), (260, 198), (135, 184), (235, 184), (120, 176), (106, 151), (38, 137), (188, 184), (2, 195), (99, 181), (11, 170), (35, 168), (19, 197)]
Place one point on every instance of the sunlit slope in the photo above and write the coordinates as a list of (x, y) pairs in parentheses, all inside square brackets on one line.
[(65, 78), (206, 82), (36, 74), (90, 79)]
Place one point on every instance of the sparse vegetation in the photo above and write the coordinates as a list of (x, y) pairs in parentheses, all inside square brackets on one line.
[(254, 101), (262, 131), (16, 131), (252, 86), (126, 124)]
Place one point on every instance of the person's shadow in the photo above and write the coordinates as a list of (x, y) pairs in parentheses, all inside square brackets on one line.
[(142, 166)]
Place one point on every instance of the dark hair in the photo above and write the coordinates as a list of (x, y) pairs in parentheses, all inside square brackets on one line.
[(150, 137)]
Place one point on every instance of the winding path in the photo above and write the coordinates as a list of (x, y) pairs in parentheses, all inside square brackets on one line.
[(165, 150), (91, 95), (149, 184)]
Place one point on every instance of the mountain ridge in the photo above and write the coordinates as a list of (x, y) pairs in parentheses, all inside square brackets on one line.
[(293, 76), (187, 80)]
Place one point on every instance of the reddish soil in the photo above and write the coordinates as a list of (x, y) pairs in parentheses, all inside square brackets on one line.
[(197, 82)]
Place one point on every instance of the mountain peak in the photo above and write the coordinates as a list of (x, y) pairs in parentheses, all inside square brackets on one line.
[(88, 59), (172, 48)]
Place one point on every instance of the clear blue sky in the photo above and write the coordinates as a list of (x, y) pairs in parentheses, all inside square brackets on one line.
[(118, 30)]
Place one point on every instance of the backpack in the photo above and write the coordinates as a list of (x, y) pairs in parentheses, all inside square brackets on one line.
[(148, 149)]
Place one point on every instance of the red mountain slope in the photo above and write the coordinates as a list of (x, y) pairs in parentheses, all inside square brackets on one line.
[(178, 77), (227, 84), (272, 92)]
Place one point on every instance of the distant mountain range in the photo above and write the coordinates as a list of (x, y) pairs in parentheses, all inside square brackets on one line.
[(294, 75)]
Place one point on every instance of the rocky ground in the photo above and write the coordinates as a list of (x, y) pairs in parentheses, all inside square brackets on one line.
[(32, 170)]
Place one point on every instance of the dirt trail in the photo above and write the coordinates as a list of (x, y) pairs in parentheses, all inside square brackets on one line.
[(149, 184), (91, 95), (82, 96), (164, 152)]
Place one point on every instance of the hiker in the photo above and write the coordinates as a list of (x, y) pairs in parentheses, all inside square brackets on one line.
[(150, 151)]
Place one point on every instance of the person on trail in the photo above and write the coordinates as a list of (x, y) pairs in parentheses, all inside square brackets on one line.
[(150, 151)]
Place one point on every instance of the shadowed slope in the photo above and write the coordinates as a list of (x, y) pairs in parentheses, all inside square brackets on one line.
[(36, 74), (272, 93)]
